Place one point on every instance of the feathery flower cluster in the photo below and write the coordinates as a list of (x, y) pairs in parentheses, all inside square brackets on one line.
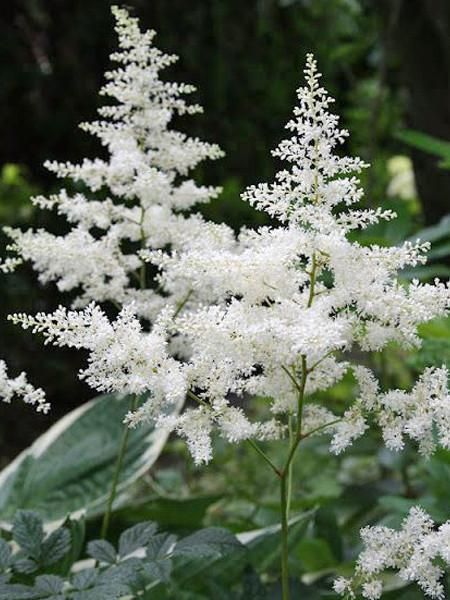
[(419, 551), (20, 388), (284, 304), (143, 183), (272, 313)]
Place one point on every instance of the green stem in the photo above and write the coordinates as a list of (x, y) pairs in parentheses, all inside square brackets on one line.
[(116, 474), (290, 468), (263, 455), (284, 539)]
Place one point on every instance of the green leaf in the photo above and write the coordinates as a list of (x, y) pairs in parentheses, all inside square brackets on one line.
[(425, 142), (159, 545), (5, 555), (55, 546), (49, 584), (158, 570), (77, 529), (70, 467), (102, 551), (136, 537), (433, 233), (24, 565), (18, 591), (28, 532), (213, 541), (84, 579)]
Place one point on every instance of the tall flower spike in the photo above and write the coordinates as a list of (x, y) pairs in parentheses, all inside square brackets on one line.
[(287, 302), (143, 182), (318, 180)]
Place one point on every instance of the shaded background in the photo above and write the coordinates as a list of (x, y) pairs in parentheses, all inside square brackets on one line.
[(387, 62)]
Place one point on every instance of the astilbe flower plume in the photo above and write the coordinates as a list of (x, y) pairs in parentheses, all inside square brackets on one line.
[(143, 184), (274, 313), (19, 387), (419, 551), (287, 304)]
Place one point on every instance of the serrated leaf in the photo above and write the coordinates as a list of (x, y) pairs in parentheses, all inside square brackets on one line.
[(55, 546), (212, 541), (77, 530), (104, 592), (69, 468), (158, 570), (24, 565), (17, 591), (103, 551), (123, 574), (28, 532), (136, 537), (159, 545), (85, 579), (49, 584), (5, 554)]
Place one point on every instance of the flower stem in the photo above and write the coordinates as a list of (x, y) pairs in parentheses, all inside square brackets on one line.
[(116, 474), (284, 539)]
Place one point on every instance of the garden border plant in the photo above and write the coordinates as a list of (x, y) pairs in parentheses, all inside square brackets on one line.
[(272, 315)]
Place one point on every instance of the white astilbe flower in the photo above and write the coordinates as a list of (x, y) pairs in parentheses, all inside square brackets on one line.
[(18, 387), (144, 185), (419, 551), (122, 357), (282, 305), (271, 314), (422, 414)]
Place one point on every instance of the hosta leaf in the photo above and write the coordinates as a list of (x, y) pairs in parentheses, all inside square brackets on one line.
[(70, 467), (136, 537), (103, 551), (28, 532)]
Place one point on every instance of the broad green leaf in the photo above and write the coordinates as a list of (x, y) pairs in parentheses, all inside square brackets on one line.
[(69, 468)]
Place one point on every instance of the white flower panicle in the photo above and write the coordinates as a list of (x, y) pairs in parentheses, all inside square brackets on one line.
[(282, 305), (123, 358), (270, 314), (419, 552), (143, 182), (19, 387), (422, 414)]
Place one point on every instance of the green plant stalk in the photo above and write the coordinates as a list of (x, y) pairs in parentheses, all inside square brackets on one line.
[(284, 538), (117, 468), (133, 404)]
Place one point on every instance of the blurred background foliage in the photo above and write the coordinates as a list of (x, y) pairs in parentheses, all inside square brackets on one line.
[(387, 63)]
